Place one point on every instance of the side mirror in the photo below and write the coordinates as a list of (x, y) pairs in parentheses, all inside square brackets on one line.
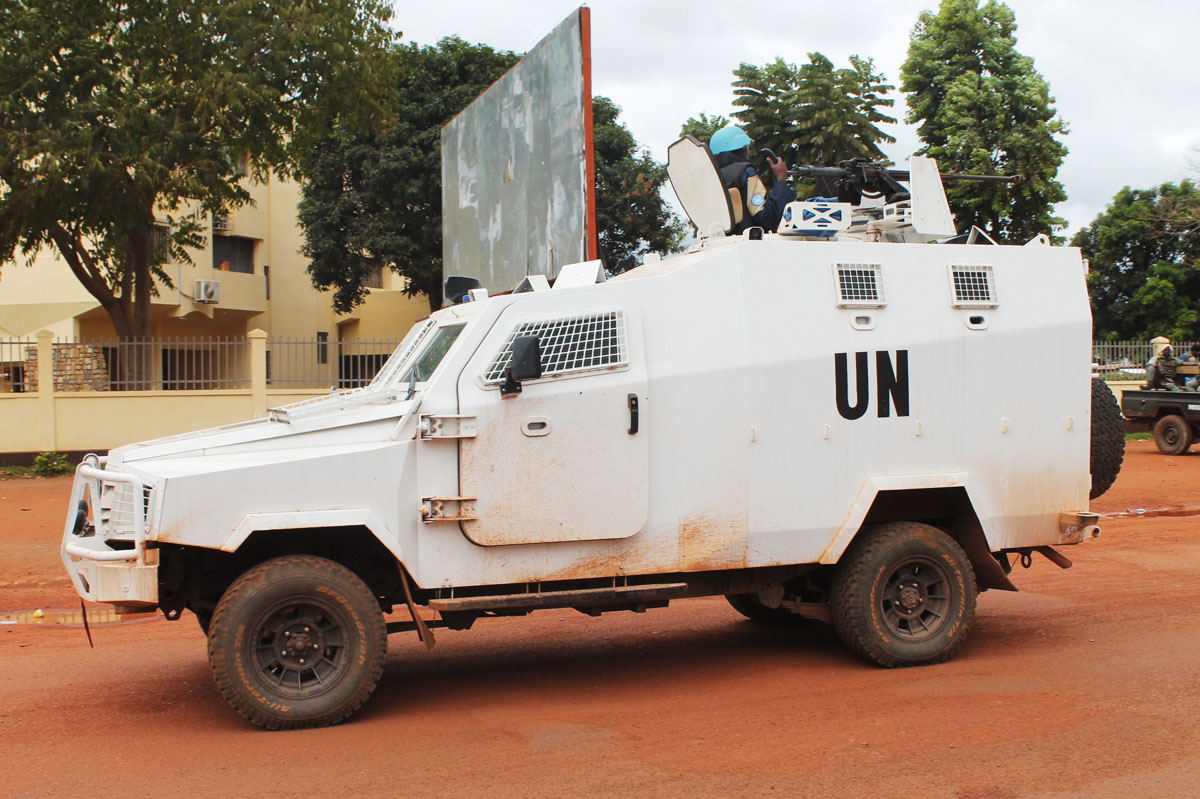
[(525, 364), (458, 287)]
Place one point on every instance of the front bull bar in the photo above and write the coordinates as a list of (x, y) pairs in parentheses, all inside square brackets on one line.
[(89, 474), (100, 573)]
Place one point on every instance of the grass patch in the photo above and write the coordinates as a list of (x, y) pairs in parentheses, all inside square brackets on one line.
[(1138, 436), (17, 471)]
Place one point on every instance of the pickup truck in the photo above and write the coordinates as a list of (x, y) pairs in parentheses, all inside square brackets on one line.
[(1173, 416)]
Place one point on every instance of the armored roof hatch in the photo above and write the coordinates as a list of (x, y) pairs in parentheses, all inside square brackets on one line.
[(697, 183)]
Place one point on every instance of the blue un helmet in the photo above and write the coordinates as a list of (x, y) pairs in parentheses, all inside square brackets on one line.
[(728, 138)]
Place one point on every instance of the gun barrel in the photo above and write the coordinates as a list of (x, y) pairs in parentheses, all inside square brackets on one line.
[(818, 172), (895, 174), (954, 176)]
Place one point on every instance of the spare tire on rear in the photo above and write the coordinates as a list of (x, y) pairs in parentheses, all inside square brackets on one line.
[(1108, 438)]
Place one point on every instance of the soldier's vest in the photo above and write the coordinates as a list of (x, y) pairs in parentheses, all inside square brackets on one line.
[(1166, 367), (745, 209)]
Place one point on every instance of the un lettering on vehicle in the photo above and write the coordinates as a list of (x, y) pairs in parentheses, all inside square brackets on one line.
[(891, 383)]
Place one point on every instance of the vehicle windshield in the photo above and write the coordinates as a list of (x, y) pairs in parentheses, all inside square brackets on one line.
[(430, 354)]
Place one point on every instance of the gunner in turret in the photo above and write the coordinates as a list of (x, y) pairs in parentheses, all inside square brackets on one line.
[(730, 147)]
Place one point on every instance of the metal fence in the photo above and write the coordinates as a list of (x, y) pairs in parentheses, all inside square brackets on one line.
[(304, 363), (192, 364), (181, 364), (18, 365)]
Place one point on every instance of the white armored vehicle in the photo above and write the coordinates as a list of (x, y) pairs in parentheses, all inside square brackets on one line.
[(832, 423)]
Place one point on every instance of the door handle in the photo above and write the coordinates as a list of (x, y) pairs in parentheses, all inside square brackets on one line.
[(633, 414)]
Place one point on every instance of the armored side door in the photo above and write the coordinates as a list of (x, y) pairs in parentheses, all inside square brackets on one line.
[(566, 459)]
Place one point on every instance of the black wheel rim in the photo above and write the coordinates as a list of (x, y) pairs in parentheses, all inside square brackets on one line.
[(1171, 435), (300, 648), (916, 599)]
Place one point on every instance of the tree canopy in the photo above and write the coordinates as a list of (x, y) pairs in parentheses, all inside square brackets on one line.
[(631, 216), (373, 201), (115, 115), (1144, 251), (808, 114), (983, 108), (703, 126)]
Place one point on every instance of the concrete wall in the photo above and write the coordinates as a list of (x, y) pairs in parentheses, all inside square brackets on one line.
[(97, 421), (45, 419)]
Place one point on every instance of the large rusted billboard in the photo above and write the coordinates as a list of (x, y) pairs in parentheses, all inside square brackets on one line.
[(517, 168)]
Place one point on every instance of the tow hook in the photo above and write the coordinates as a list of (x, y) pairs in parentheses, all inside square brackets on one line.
[(1057, 558)]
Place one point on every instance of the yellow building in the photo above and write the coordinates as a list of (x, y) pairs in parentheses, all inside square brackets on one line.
[(250, 275)]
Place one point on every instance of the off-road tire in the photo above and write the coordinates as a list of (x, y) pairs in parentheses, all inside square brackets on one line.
[(875, 578), (1172, 434), (749, 606), (297, 617), (1108, 438)]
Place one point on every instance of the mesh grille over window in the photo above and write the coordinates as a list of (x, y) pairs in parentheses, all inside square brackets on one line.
[(972, 285), (570, 344), (858, 284)]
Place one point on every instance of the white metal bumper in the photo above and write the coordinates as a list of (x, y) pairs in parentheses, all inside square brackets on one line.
[(99, 572)]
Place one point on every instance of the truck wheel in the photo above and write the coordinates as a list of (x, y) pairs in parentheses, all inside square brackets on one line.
[(297, 641), (903, 595), (749, 606), (1172, 434), (1108, 438)]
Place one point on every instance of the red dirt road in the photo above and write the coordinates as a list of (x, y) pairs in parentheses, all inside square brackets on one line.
[(1085, 684)]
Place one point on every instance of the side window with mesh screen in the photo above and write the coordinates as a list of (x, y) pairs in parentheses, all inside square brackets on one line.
[(973, 286), (570, 344), (859, 285)]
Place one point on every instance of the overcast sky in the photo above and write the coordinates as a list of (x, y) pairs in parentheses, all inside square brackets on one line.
[(1125, 76)]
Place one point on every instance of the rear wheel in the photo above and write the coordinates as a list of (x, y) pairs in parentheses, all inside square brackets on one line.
[(903, 595), (297, 641), (1108, 438), (1172, 434)]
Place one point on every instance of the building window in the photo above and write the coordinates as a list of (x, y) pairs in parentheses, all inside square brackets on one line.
[(233, 254), (322, 348), (160, 244), (373, 277)]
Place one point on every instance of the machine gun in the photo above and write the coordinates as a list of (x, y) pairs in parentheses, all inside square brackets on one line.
[(850, 179)]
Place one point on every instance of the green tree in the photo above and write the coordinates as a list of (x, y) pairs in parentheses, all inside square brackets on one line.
[(631, 216), (1144, 279), (113, 115), (983, 108), (373, 200), (703, 127), (814, 113)]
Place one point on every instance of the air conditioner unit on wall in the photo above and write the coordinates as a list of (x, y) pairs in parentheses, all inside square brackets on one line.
[(208, 291)]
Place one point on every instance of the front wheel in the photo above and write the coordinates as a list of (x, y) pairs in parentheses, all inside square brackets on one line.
[(1172, 434), (903, 595), (297, 641)]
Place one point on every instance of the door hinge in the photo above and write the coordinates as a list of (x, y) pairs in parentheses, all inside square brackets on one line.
[(446, 426), (448, 509)]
